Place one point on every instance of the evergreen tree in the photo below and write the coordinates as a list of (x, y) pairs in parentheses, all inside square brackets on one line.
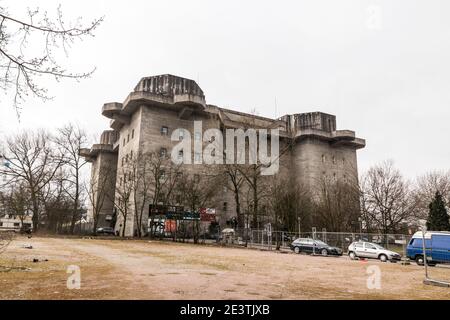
[(438, 219)]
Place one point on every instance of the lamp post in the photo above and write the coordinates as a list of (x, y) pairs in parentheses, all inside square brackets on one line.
[(424, 230)]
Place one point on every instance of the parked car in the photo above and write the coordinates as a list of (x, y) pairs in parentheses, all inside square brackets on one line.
[(311, 246), (437, 247), (105, 231), (363, 249), (26, 229), (288, 238)]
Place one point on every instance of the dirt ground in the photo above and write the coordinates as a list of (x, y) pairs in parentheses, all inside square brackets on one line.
[(141, 269)]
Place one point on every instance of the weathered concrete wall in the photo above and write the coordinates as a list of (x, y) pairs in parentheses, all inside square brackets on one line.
[(104, 164), (129, 147), (153, 118), (317, 149), (314, 159)]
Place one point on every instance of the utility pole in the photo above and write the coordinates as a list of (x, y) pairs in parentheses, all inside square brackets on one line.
[(314, 240), (424, 230)]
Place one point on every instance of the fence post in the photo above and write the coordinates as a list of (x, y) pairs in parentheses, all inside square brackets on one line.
[(404, 245), (282, 239), (262, 239), (314, 239), (424, 253)]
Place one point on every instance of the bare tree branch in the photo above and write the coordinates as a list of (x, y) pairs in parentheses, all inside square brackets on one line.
[(21, 66)]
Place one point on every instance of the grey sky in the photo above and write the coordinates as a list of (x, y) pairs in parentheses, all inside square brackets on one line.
[(385, 76)]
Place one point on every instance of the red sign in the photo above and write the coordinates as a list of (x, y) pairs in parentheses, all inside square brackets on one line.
[(208, 214), (170, 226)]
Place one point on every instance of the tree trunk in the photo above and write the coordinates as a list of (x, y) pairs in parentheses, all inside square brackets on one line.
[(124, 225), (35, 218), (240, 216), (138, 225), (75, 205), (95, 222), (152, 223), (255, 203)]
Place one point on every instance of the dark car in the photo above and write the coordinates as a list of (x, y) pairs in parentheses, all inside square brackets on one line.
[(105, 231), (26, 229), (311, 246)]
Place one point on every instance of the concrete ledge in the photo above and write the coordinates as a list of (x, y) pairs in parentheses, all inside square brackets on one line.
[(111, 109), (436, 283)]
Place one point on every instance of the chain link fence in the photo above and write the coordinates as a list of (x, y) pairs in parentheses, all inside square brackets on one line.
[(432, 251), (280, 240), (84, 229)]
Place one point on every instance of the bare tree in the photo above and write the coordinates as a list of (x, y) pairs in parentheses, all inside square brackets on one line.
[(17, 202), (31, 160), (70, 140), (162, 179), (425, 190), (234, 181), (257, 189), (97, 190), (197, 190), (387, 198), (139, 171), (288, 201), (147, 178), (337, 206), (257, 183), (123, 199), (56, 203), (23, 64)]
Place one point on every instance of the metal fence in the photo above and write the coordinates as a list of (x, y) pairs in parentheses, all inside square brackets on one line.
[(86, 228), (432, 251), (434, 256), (280, 240)]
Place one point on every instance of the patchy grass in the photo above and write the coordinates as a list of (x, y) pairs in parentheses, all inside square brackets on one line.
[(112, 269)]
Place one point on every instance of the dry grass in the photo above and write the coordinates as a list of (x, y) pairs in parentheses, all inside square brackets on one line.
[(112, 269)]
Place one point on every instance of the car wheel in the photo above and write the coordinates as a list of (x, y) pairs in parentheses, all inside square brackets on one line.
[(352, 255), (419, 260), (324, 252), (297, 250), (383, 258)]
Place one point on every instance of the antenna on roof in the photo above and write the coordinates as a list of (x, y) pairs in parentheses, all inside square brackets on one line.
[(276, 107)]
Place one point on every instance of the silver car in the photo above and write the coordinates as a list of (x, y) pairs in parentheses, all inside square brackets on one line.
[(362, 249)]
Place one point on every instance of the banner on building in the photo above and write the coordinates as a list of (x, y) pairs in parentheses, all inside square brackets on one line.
[(208, 214), (170, 226), (191, 215)]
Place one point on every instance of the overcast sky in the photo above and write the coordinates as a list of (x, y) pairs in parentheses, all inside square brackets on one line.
[(382, 67)]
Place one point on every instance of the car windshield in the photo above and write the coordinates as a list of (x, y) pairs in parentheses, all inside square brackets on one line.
[(320, 243)]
